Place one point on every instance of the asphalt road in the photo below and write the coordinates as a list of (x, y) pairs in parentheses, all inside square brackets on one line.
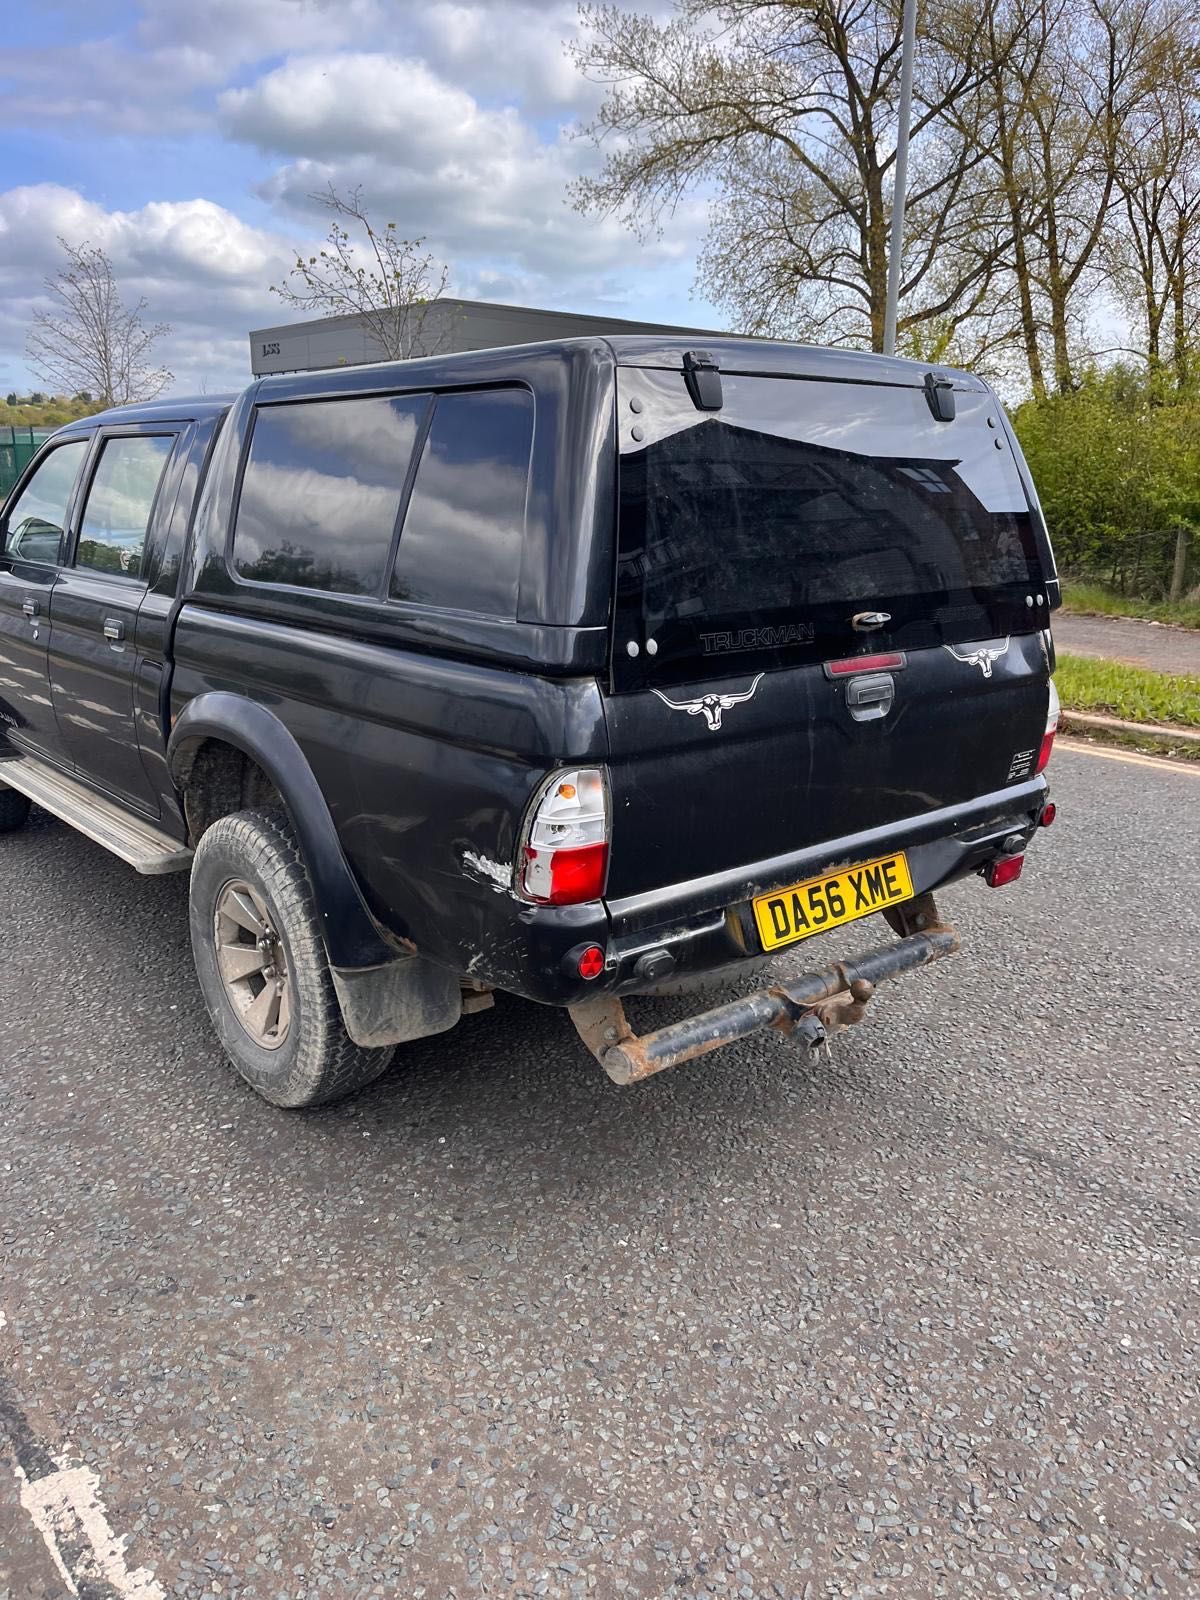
[(919, 1320), (1142, 644)]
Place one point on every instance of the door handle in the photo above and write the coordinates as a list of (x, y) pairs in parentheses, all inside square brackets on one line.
[(870, 698), (114, 629), (30, 606)]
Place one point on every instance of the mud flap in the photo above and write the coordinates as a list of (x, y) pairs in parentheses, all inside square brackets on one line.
[(406, 999)]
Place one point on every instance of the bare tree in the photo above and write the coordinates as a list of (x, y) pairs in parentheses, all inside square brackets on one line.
[(90, 339), (392, 292)]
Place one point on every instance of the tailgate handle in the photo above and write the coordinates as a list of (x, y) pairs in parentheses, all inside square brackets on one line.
[(870, 697)]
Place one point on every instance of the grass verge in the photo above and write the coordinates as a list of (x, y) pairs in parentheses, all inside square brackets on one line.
[(1134, 693), (1093, 599)]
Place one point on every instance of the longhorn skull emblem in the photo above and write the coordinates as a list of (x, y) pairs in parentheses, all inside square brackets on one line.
[(710, 706), (985, 657)]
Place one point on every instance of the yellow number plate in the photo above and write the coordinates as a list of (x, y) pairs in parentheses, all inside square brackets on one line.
[(826, 902)]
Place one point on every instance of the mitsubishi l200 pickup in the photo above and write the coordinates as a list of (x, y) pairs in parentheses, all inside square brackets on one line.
[(576, 670)]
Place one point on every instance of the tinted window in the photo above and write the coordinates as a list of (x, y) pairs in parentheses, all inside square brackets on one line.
[(766, 528), (38, 515), (116, 514), (461, 543), (321, 492)]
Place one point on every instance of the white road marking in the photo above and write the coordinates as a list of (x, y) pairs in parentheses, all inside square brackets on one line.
[(65, 1507), (1133, 758)]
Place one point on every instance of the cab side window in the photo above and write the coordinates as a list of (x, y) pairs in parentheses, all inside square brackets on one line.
[(322, 490), (37, 518), (116, 515), (461, 542)]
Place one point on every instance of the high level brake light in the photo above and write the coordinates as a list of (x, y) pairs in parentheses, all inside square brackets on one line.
[(565, 855), (1052, 713)]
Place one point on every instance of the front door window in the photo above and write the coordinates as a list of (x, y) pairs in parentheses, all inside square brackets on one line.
[(112, 533), (38, 517)]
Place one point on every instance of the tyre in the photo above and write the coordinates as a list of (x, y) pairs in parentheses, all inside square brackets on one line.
[(14, 810), (262, 968)]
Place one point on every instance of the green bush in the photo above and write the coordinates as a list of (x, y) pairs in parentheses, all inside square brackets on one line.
[(1117, 466)]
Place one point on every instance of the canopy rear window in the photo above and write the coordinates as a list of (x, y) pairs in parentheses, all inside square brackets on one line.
[(755, 535)]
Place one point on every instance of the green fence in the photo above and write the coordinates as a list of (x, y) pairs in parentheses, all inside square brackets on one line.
[(17, 448)]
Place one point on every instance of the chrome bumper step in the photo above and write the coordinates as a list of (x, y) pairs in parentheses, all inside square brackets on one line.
[(146, 848)]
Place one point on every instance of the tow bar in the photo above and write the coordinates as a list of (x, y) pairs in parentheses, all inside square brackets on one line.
[(810, 1007)]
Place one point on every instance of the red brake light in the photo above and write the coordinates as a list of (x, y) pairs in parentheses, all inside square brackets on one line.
[(575, 875), (886, 662), (1006, 870)]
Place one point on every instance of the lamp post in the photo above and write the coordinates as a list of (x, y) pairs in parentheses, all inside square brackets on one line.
[(896, 241)]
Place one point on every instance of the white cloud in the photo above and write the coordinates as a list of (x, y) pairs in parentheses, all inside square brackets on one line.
[(478, 182), (159, 75), (508, 52), (200, 268), (454, 116)]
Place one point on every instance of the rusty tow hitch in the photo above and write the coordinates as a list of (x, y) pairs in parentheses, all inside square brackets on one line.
[(809, 1008)]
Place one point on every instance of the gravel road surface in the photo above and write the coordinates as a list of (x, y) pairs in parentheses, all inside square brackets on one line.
[(919, 1320), (1143, 644)]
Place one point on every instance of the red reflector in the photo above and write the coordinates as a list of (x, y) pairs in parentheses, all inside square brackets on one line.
[(591, 962), (1049, 812), (575, 875), (1044, 752), (853, 664), (1006, 870)]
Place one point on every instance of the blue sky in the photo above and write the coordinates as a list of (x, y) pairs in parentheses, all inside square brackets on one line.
[(186, 136)]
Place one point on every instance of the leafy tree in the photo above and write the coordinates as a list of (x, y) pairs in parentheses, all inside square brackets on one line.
[(1154, 258), (389, 282), (90, 338), (786, 114)]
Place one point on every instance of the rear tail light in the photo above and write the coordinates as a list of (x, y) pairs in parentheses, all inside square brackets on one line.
[(565, 855), (1052, 713), (1006, 870)]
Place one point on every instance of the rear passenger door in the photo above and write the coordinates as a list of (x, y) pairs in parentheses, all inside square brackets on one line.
[(34, 542), (95, 610)]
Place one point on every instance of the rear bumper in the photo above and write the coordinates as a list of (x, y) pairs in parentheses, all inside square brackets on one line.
[(687, 931), (812, 1007), (708, 924)]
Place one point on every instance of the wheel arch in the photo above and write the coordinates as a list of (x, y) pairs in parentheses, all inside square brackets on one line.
[(218, 719)]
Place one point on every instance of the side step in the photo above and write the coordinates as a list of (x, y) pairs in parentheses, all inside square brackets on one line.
[(146, 848)]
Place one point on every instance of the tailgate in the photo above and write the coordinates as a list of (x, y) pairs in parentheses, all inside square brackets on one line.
[(828, 617)]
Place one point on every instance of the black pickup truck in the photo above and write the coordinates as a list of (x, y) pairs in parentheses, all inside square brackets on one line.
[(576, 670)]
